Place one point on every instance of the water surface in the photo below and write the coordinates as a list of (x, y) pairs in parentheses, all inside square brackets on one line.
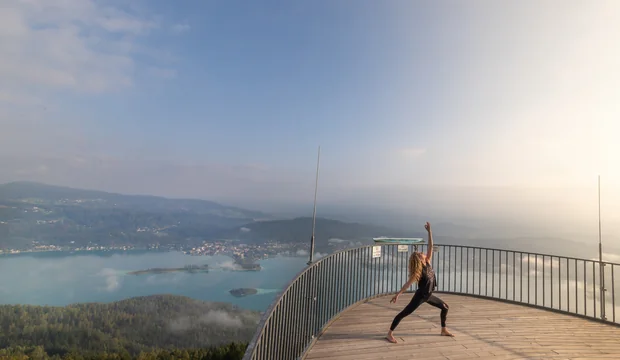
[(62, 278)]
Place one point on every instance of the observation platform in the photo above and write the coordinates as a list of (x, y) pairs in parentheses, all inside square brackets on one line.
[(483, 328)]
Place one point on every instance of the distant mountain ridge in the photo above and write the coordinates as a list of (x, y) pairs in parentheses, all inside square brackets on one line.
[(21, 190), (300, 230), (33, 214)]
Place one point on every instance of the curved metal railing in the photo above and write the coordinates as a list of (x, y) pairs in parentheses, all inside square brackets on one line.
[(327, 287)]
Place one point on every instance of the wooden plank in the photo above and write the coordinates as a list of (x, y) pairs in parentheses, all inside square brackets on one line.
[(483, 328)]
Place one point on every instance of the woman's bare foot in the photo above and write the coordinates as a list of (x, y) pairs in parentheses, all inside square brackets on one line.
[(445, 332), (390, 338)]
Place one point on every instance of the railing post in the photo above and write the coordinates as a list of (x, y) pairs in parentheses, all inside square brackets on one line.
[(603, 290), (613, 294), (601, 265)]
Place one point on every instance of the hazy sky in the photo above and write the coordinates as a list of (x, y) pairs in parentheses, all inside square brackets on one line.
[(230, 99)]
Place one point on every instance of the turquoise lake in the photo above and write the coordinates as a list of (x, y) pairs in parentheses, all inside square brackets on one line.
[(60, 279)]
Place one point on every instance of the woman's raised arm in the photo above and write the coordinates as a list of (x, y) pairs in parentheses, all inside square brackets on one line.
[(429, 252)]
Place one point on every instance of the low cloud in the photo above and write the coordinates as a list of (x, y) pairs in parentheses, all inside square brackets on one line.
[(111, 278), (346, 243), (220, 318), (302, 252), (228, 265), (212, 317), (614, 258), (244, 229), (181, 324)]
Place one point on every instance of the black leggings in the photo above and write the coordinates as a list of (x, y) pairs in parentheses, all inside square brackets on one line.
[(417, 300)]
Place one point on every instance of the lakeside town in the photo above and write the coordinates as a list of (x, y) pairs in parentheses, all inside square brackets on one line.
[(249, 252), (242, 253), (57, 248)]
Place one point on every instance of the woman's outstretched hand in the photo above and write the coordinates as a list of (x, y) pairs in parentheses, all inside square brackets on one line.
[(394, 299), (427, 226)]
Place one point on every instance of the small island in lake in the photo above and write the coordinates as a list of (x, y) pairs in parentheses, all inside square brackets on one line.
[(186, 268), (243, 292)]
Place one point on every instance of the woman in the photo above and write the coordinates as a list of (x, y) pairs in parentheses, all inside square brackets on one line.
[(421, 271)]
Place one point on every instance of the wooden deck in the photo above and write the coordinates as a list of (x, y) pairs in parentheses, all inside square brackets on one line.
[(483, 329)]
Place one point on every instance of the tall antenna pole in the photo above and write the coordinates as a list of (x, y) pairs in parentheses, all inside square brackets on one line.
[(601, 265), (316, 186)]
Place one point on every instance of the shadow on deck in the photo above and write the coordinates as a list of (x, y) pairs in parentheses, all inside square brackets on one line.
[(483, 329)]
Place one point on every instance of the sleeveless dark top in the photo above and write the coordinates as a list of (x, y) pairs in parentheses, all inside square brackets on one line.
[(427, 282)]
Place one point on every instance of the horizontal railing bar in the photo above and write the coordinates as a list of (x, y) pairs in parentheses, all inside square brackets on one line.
[(518, 251)]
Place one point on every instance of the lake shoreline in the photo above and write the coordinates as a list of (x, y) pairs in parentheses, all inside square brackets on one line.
[(63, 278)]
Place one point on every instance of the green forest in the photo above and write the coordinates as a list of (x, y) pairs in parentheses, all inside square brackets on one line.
[(232, 351), (152, 327)]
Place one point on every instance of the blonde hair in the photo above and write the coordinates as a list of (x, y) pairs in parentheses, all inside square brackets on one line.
[(415, 266)]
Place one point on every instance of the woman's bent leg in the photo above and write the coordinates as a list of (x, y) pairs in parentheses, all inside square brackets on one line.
[(415, 302), (438, 303)]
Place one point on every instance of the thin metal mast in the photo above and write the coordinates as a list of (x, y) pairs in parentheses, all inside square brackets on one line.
[(316, 186), (600, 254)]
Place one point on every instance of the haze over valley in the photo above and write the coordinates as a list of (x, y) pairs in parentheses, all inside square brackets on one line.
[(34, 215), (159, 160)]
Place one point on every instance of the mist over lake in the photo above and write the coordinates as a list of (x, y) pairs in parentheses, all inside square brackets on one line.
[(59, 278)]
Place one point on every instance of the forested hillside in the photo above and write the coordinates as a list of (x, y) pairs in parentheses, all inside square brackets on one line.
[(143, 324), (232, 351)]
